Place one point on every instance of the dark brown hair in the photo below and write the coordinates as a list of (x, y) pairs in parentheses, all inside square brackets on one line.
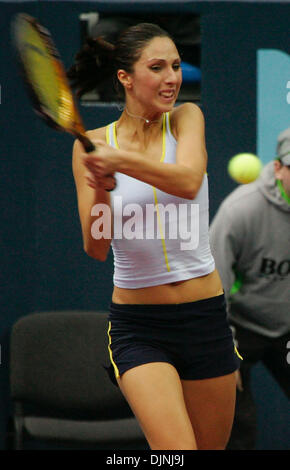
[(99, 60)]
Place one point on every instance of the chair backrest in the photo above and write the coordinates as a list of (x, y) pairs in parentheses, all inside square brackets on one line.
[(57, 362)]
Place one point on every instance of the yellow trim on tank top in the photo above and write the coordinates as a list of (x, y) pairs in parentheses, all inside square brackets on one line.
[(108, 134), (155, 195), (154, 189)]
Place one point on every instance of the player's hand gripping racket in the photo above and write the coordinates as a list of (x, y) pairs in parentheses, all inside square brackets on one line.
[(46, 79)]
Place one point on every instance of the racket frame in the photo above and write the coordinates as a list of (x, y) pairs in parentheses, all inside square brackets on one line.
[(77, 127)]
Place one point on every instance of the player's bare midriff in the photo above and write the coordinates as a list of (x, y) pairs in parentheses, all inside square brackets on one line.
[(174, 293)]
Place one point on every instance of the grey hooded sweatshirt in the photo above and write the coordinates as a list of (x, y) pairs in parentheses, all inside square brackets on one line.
[(250, 241)]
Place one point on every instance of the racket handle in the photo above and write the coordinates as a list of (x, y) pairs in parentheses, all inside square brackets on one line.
[(87, 144), (90, 147)]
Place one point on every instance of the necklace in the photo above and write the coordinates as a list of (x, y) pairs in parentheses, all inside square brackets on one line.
[(140, 117)]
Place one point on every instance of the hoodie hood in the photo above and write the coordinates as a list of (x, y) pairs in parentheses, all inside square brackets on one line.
[(283, 147), (268, 186)]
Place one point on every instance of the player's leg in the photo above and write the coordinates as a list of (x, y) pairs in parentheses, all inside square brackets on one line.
[(211, 404), (154, 392)]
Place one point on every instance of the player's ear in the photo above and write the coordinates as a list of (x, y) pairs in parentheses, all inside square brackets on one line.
[(124, 78)]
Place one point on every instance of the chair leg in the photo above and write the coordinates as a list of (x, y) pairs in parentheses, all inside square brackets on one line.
[(9, 438), (18, 427)]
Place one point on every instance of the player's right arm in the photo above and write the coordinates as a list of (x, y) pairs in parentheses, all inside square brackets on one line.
[(90, 194)]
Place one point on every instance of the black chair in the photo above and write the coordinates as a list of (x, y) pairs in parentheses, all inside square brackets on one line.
[(60, 388)]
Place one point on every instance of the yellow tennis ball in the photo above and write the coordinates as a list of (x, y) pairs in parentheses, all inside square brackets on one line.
[(244, 167)]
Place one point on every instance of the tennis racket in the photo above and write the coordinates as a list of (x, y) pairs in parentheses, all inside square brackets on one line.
[(45, 78)]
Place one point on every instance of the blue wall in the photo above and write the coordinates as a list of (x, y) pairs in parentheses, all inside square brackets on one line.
[(43, 264)]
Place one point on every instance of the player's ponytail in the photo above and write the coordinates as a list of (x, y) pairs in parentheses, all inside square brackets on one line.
[(98, 61), (93, 66)]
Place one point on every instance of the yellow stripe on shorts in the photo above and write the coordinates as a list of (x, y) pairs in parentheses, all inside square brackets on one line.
[(238, 354), (116, 370)]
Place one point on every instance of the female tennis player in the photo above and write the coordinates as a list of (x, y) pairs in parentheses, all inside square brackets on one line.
[(170, 345)]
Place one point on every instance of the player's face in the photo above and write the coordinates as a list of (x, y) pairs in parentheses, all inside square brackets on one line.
[(157, 76)]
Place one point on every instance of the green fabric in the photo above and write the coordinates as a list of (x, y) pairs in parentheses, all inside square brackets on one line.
[(283, 192), (237, 284)]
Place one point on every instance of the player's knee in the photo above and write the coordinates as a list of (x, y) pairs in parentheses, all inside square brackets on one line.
[(211, 445), (188, 444), (174, 444)]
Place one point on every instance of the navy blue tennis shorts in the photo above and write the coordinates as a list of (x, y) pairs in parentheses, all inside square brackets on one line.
[(194, 337)]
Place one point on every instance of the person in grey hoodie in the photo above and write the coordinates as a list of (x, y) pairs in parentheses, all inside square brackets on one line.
[(250, 242)]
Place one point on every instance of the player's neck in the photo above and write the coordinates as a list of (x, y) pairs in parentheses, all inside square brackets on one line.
[(145, 119)]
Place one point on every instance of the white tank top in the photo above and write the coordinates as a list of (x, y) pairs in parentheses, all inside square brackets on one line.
[(157, 238)]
